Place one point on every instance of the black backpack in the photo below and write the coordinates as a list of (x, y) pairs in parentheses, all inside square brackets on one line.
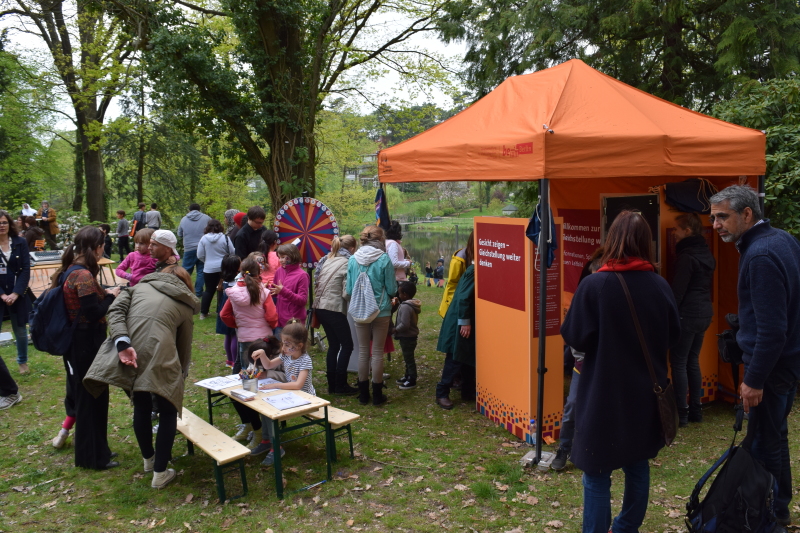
[(742, 496), (51, 331)]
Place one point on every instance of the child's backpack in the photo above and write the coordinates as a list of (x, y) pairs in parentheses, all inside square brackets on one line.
[(363, 307), (742, 496), (50, 329)]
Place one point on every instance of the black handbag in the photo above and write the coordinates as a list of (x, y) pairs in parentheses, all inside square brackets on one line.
[(667, 407)]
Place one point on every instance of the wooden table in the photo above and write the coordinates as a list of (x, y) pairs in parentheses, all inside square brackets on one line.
[(279, 418), (40, 274)]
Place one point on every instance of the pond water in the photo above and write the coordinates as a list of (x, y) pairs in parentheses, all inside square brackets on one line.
[(428, 246)]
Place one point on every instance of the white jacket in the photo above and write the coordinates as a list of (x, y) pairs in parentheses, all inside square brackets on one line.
[(211, 249)]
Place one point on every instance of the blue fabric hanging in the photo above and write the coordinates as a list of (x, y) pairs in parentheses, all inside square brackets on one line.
[(381, 210), (534, 229)]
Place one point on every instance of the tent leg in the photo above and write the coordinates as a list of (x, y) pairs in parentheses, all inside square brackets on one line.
[(762, 192), (544, 236)]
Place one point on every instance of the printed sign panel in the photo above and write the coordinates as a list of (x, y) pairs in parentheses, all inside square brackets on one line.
[(500, 262)]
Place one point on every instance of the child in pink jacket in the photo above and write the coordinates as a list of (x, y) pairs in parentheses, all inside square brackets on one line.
[(140, 262), (252, 308), (290, 285)]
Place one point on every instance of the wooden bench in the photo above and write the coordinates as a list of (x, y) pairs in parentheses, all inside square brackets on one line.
[(222, 449), (339, 421)]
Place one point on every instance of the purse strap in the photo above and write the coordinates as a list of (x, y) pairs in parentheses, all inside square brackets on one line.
[(656, 387)]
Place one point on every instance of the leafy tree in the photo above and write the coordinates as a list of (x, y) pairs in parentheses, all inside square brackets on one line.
[(89, 48), (256, 72), (774, 107), (689, 52)]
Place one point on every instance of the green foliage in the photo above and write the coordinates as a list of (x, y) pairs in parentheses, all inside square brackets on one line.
[(28, 161), (774, 107), (690, 53)]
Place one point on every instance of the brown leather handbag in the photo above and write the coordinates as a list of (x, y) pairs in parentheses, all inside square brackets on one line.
[(667, 407)]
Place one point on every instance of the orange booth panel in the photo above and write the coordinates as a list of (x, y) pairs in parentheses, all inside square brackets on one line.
[(507, 330)]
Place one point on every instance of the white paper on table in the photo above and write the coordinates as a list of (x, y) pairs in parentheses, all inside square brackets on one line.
[(236, 378), (286, 400), (216, 384), (266, 382)]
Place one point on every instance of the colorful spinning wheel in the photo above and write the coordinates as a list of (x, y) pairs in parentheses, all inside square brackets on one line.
[(312, 222)]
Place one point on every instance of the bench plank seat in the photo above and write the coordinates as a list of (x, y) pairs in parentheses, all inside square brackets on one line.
[(212, 441), (336, 417)]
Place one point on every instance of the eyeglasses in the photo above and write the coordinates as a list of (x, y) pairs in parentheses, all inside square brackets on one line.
[(3, 222)]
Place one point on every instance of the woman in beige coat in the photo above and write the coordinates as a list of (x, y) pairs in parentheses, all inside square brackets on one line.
[(148, 350), (331, 309)]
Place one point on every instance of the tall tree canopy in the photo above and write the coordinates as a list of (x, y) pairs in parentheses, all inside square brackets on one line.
[(688, 52), (90, 49), (257, 71)]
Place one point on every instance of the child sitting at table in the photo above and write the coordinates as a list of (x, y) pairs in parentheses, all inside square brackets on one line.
[(139, 261), (251, 427), (297, 368)]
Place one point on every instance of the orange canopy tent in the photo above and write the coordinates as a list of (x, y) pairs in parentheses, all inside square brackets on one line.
[(571, 121), (590, 134)]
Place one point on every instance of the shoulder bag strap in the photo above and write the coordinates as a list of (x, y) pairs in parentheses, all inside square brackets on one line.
[(656, 387)]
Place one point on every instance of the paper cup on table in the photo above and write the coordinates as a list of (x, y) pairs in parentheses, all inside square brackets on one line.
[(250, 385)]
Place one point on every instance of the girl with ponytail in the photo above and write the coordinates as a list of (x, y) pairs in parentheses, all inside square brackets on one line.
[(251, 308)]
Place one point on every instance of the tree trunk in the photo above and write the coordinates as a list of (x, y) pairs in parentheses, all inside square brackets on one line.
[(95, 175), (140, 171), (77, 201)]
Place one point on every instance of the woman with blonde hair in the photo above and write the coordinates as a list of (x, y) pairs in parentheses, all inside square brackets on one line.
[(331, 308), (371, 258)]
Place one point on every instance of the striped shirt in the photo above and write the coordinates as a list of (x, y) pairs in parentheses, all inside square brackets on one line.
[(292, 368)]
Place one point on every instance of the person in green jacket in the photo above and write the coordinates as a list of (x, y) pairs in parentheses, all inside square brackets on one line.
[(457, 341), (150, 333), (372, 258)]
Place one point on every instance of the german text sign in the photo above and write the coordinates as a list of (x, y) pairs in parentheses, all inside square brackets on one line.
[(500, 263)]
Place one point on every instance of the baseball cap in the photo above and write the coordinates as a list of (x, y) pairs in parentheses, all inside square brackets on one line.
[(166, 238)]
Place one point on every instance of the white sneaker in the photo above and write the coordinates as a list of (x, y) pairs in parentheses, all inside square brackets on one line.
[(8, 401), (61, 438), (149, 464), (155, 429), (162, 479)]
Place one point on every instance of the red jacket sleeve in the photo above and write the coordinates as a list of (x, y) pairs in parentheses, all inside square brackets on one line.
[(270, 312), (226, 315)]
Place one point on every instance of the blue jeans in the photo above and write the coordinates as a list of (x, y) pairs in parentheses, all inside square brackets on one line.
[(597, 500), (771, 442), (568, 422), (21, 340), (190, 260)]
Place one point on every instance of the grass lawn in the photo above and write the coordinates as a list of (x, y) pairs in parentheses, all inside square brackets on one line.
[(418, 468)]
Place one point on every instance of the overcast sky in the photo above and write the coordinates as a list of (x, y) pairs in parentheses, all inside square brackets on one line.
[(385, 90)]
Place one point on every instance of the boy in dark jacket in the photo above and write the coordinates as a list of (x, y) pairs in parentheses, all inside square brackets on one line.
[(406, 330)]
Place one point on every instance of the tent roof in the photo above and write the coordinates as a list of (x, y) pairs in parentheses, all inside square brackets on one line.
[(571, 121)]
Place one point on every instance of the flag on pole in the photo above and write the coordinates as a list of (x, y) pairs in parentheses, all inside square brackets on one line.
[(381, 210)]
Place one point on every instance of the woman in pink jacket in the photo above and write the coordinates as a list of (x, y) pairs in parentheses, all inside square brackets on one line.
[(290, 286), (140, 262), (253, 309)]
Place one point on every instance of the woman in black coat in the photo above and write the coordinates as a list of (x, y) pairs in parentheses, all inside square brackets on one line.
[(15, 296), (15, 272), (617, 423), (691, 285)]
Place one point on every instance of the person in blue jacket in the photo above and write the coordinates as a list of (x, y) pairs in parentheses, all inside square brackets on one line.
[(769, 332), (15, 271)]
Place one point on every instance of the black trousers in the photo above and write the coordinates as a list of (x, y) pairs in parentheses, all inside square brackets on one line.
[(91, 414), (143, 428), (7, 384), (340, 341), (211, 280), (123, 242), (247, 415)]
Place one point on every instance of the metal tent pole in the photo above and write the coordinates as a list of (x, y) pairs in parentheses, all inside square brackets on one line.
[(544, 236), (762, 191)]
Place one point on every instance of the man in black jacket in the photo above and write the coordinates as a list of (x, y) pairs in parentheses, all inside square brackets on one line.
[(249, 237), (769, 334)]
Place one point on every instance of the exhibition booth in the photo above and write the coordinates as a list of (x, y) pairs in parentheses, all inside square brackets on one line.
[(596, 146)]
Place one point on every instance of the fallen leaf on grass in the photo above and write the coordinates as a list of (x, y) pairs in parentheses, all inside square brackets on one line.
[(187, 526), (480, 468), (418, 449), (378, 515), (292, 469), (500, 486), (377, 469), (268, 530), (555, 523), (461, 487), (350, 523), (50, 505), (675, 514), (189, 498), (110, 517), (532, 500), (555, 505), (467, 503), (418, 479)]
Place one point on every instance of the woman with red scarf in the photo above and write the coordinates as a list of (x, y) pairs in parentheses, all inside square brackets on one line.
[(617, 423)]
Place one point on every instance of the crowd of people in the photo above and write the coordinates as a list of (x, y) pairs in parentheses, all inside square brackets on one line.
[(363, 301)]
